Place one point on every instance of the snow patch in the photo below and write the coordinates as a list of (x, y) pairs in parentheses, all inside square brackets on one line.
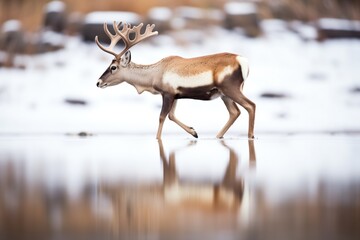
[(52, 38), (190, 12), (339, 24), (240, 8), (160, 13), (11, 26), (55, 6), (111, 16)]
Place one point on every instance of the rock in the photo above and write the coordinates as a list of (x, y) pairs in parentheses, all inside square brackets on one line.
[(12, 42), (355, 90), (12, 37), (273, 95), (80, 134), (73, 101), (55, 16), (75, 23), (328, 28), (161, 17), (94, 21), (244, 15), (84, 134), (196, 18)]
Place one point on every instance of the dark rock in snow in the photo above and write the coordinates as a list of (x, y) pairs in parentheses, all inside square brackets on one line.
[(75, 23), (55, 16), (94, 21), (337, 28), (80, 134), (273, 95), (73, 101), (84, 134), (244, 15), (12, 42), (12, 37), (161, 17), (355, 90), (186, 17)]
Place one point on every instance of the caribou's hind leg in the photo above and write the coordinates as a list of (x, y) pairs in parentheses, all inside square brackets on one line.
[(234, 113), (237, 96)]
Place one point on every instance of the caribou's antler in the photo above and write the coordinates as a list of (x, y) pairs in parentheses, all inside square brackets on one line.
[(124, 34), (114, 40)]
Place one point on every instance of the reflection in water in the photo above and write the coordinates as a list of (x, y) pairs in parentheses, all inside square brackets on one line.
[(35, 206), (175, 206)]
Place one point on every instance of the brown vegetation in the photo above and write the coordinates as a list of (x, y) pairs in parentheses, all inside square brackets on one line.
[(309, 10), (30, 11)]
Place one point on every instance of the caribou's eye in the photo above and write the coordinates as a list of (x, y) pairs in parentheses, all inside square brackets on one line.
[(113, 68)]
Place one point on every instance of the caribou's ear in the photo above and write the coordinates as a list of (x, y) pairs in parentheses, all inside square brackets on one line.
[(125, 59)]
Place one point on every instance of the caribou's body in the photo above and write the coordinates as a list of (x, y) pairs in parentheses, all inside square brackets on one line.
[(204, 78)]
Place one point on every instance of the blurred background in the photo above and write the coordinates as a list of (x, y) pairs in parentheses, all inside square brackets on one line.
[(79, 162)]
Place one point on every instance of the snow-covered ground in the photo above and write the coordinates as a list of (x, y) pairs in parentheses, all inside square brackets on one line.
[(317, 79)]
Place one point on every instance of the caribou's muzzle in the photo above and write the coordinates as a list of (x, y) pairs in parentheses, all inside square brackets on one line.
[(101, 84)]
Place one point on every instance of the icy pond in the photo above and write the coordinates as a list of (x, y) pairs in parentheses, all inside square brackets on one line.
[(135, 187)]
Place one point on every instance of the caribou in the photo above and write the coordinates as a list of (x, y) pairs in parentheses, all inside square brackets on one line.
[(203, 78)]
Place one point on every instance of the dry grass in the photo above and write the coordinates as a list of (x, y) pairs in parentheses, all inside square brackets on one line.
[(30, 11), (309, 10)]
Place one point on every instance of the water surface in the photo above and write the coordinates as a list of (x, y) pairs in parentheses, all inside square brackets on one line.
[(135, 187)]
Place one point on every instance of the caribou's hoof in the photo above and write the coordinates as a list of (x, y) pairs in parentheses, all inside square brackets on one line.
[(193, 132), (220, 136)]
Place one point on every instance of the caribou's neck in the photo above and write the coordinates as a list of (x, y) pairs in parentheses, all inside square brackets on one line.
[(142, 76)]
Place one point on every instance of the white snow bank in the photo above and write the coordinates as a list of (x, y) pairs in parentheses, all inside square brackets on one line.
[(274, 25), (111, 16), (190, 12), (160, 13), (11, 26), (55, 6), (305, 31), (52, 38), (339, 24), (240, 8)]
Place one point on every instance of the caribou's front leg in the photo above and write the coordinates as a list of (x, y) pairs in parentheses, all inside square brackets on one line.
[(168, 101), (183, 126)]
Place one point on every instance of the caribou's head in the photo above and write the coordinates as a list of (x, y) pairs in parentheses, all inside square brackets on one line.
[(112, 74)]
